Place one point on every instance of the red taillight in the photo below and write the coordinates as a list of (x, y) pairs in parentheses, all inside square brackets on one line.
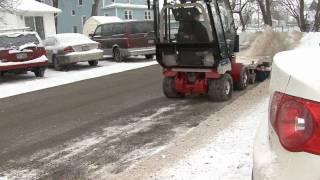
[(68, 49), (296, 122)]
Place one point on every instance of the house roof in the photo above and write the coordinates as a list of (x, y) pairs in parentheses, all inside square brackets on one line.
[(32, 6), (125, 5)]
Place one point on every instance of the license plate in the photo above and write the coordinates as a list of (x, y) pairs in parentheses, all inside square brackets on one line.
[(151, 41), (22, 56), (85, 48)]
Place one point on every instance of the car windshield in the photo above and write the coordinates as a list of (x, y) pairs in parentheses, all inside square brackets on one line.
[(8, 41)]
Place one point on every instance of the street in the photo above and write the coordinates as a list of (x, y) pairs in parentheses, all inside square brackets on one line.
[(108, 123)]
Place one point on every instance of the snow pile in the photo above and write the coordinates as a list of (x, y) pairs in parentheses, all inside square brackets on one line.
[(264, 160)]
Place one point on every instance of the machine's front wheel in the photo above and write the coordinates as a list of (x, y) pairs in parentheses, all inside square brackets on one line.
[(220, 89), (169, 89)]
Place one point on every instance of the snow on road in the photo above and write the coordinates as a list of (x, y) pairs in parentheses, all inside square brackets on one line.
[(220, 148), (18, 84)]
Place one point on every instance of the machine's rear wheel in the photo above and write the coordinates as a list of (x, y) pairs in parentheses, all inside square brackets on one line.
[(242, 84), (220, 89), (169, 88)]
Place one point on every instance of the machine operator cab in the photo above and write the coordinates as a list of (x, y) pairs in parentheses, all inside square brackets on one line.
[(197, 34)]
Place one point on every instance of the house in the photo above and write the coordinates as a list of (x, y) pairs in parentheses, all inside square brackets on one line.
[(30, 13), (76, 12)]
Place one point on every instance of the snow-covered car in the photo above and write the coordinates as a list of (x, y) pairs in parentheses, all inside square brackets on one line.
[(71, 48), (22, 51), (287, 145)]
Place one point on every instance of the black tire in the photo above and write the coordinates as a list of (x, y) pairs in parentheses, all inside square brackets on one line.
[(55, 63), (117, 55), (244, 80), (168, 87), (39, 72), (93, 63), (220, 89), (149, 56)]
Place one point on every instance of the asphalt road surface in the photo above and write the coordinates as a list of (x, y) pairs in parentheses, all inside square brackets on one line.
[(102, 125)]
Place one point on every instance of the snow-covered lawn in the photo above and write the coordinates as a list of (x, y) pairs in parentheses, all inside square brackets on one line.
[(12, 84)]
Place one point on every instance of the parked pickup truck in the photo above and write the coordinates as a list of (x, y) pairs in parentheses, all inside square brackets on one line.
[(124, 39)]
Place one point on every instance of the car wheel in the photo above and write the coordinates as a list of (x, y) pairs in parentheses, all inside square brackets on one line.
[(56, 64), (149, 56), (169, 89), (244, 80), (220, 89), (39, 72), (117, 55), (93, 63)]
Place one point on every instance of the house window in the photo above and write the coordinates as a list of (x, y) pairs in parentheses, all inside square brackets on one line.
[(147, 15), (73, 12), (127, 14), (36, 23), (80, 2), (84, 19), (75, 29)]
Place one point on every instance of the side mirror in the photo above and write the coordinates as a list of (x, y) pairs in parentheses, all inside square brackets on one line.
[(91, 35)]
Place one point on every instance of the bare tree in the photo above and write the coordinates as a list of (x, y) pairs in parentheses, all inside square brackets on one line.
[(296, 9), (8, 5), (265, 7), (317, 17), (244, 10), (95, 5)]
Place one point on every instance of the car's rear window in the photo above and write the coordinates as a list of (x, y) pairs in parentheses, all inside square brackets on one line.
[(141, 27), (8, 41)]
